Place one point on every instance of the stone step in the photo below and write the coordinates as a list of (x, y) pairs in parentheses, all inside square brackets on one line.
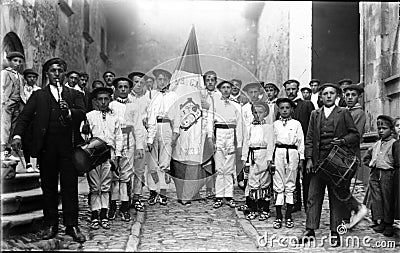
[(21, 201), (22, 223), (21, 182), (12, 224)]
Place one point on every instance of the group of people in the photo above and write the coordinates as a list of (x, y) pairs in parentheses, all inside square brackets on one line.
[(271, 146)]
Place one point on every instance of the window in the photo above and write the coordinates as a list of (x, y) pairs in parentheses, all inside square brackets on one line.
[(66, 7), (86, 22), (103, 45)]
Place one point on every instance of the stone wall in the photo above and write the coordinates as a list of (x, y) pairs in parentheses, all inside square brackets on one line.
[(381, 60), (273, 44), (46, 31)]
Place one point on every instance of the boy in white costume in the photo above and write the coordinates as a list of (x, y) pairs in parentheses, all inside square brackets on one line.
[(141, 100), (260, 151), (228, 135), (133, 140), (289, 157), (104, 124), (162, 134)]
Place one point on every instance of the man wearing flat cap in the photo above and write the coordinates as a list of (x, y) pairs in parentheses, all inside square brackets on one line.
[(253, 91), (341, 101), (109, 77), (301, 112), (11, 84), (55, 111), (315, 98)]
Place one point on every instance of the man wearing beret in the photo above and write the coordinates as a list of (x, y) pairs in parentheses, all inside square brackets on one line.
[(54, 110), (109, 77), (306, 93), (302, 113), (29, 87), (329, 126), (11, 85)]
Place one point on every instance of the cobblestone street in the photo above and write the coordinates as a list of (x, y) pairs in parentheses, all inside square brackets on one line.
[(197, 227)]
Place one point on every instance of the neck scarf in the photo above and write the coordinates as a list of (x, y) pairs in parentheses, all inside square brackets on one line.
[(285, 120), (123, 100)]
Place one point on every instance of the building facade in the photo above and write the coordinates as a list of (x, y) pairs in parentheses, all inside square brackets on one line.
[(41, 29)]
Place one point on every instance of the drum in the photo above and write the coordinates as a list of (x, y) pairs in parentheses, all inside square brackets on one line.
[(87, 156), (339, 167)]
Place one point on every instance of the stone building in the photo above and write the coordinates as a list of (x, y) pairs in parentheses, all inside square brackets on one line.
[(41, 29)]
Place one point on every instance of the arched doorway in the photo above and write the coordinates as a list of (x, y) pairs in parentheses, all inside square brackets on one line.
[(11, 43)]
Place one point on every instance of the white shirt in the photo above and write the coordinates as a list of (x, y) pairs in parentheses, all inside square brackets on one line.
[(56, 92), (108, 129), (27, 92), (327, 111), (162, 105), (262, 136), (314, 100), (78, 88), (129, 117), (290, 134)]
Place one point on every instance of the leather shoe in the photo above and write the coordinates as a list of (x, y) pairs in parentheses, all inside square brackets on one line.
[(308, 235), (50, 232), (75, 233)]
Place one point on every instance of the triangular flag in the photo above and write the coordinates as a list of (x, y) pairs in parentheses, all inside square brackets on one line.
[(187, 155)]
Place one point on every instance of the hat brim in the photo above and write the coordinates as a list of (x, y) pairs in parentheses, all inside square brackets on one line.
[(118, 79), (157, 72)]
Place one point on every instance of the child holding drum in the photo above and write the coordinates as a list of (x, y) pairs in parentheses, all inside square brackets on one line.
[(104, 124)]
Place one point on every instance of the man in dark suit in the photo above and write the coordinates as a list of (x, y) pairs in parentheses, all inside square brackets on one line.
[(54, 111), (302, 113), (329, 125)]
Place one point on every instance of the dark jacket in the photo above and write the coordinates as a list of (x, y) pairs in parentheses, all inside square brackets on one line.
[(344, 127), (37, 111), (396, 159), (302, 113)]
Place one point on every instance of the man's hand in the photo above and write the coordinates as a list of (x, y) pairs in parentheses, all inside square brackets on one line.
[(309, 166), (145, 124), (174, 139), (86, 129), (16, 144), (205, 105), (211, 143), (64, 108), (149, 147), (301, 168), (337, 141), (139, 153)]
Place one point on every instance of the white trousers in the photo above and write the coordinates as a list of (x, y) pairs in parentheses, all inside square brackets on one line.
[(225, 163), (262, 180), (285, 175), (99, 180), (160, 158)]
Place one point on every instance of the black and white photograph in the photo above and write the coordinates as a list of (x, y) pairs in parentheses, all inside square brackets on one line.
[(200, 125)]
